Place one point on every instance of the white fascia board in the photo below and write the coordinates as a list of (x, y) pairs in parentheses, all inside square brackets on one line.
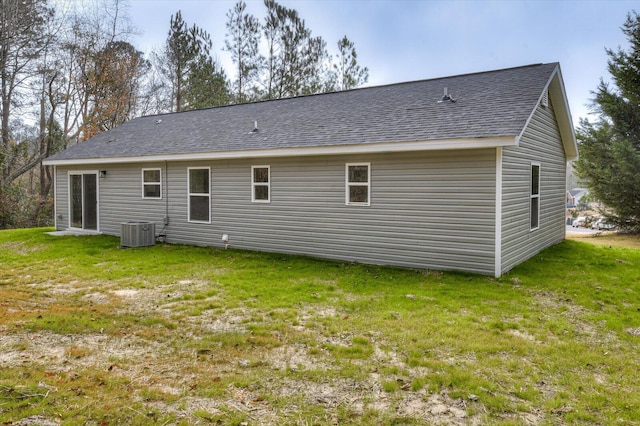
[(430, 145), (558, 96)]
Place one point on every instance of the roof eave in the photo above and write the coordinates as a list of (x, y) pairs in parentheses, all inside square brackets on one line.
[(369, 148), (558, 96)]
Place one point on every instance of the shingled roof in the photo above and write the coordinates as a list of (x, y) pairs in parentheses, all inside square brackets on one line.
[(491, 108)]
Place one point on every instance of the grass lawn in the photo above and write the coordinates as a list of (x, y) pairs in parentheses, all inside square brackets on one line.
[(94, 334)]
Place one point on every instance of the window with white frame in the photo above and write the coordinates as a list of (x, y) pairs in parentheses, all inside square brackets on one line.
[(358, 184), (151, 183), (260, 184), (199, 189), (535, 196)]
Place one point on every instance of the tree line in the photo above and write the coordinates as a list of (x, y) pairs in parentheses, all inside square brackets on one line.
[(70, 72)]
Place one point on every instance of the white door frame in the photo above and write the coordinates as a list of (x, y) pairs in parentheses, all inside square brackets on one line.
[(70, 198)]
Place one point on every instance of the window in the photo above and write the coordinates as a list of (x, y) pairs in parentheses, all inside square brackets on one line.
[(151, 183), (358, 188), (199, 195), (535, 196), (260, 184)]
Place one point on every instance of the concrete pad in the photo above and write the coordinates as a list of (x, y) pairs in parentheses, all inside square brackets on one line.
[(75, 232)]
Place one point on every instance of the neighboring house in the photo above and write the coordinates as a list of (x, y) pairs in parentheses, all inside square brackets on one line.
[(574, 197), (458, 173)]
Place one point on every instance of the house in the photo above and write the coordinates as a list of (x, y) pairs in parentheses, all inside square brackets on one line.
[(575, 198), (458, 173)]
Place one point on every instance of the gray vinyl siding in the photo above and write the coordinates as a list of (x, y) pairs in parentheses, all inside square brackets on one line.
[(62, 193), (62, 198), (428, 210), (431, 210), (541, 143), (119, 196)]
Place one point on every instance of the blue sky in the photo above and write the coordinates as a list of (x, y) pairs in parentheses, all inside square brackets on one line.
[(413, 40)]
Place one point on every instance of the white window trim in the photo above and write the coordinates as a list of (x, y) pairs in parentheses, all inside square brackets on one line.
[(159, 183), (349, 184), (532, 196), (197, 194), (254, 184)]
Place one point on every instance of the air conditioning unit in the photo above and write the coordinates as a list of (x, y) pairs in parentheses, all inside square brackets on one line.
[(137, 234)]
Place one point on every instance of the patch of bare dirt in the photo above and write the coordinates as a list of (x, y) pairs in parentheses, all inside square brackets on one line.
[(367, 394), (609, 238), (166, 367), (20, 247), (522, 334), (256, 408), (575, 314), (361, 396), (66, 352), (37, 420)]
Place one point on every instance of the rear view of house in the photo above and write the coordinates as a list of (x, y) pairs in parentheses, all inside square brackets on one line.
[(458, 173)]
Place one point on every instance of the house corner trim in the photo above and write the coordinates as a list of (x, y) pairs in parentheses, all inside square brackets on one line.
[(498, 215)]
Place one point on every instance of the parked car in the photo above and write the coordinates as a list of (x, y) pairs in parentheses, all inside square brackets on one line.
[(579, 221), (602, 224)]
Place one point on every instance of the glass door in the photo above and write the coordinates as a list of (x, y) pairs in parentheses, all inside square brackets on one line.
[(75, 186), (83, 195)]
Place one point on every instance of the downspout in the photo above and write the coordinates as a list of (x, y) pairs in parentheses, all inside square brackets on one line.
[(498, 215)]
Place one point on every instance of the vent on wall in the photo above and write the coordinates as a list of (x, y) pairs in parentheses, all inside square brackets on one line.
[(545, 99), (137, 234)]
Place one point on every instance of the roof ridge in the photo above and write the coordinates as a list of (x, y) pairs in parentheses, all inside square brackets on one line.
[(401, 83)]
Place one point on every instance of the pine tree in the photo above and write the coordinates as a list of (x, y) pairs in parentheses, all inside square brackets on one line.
[(296, 61), (272, 30), (610, 147), (186, 49), (243, 37), (183, 45), (206, 85), (350, 74)]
